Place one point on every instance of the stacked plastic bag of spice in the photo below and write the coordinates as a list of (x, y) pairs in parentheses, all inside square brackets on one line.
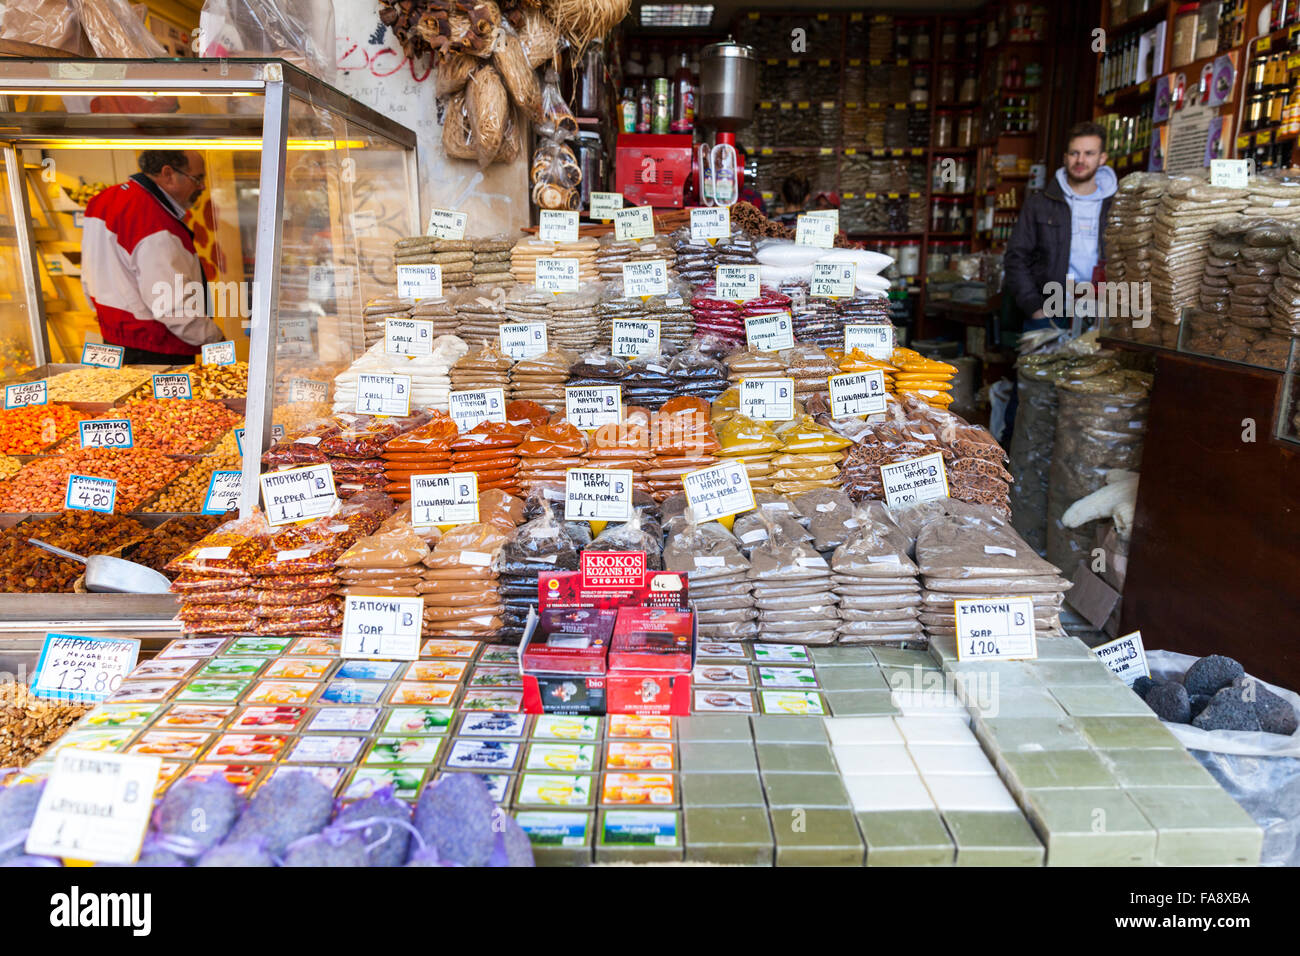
[(597, 367), (572, 318), (672, 311), (461, 590), (422, 451), (438, 310), (542, 378), (856, 360), (526, 252), (880, 596), (355, 451), (720, 317), (753, 442), (479, 313), (809, 366), (624, 445), (489, 449), (695, 371), (810, 456), (646, 381), (718, 577), (386, 563), (792, 588), (430, 382), (753, 363), (547, 452), (378, 311), (537, 547), (682, 440), (455, 256), (214, 581), (697, 262), (492, 261), (486, 367), (923, 377)]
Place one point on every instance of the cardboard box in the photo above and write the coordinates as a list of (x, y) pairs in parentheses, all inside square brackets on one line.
[(570, 641), (1094, 599), (652, 639)]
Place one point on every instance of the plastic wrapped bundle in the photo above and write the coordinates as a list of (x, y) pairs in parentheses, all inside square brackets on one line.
[(526, 252), (880, 596), (492, 261), (461, 589), (489, 449), (479, 314), (672, 311), (486, 368), (810, 367), (425, 450), (546, 454), (647, 382), (718, 577), (572, 317), (597, 367), (377, 312), (682, 440), (638, 534), (537, 547), (214, 581), (625, 445), (752, 442), (697, 262), (542, 378), (793, 591), (386, 563), (439, 311), (430, 382), (694, 372)]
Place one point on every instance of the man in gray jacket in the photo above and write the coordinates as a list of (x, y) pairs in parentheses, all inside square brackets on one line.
[(1058, 234)]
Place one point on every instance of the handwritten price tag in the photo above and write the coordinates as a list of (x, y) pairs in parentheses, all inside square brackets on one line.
[(111, 433), (523, 340), (219, 353), (444, 499), (557, 225), (87, 493), (83, 668), (175, 385), (298, 494), (105, 356), (446, 224), (635, 222), (26, 393), (416, 282), (223, 492)]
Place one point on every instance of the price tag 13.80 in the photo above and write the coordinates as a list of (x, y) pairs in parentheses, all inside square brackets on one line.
[(588, 407), (444, 499), (95, 806), (604, 205), (110, 433), (298, 494), (408, 337), (914, 481), (26, 393), (877, 341), (523, 340), (416, 282), (632, 337), (87, 493), (219, 353), (995, 629), (857, 393), (834, 280), (645, 278), (383, 394), (468, 408), (592, 494), (767, 399), (737, 283), (771, 332), (83, 668), (557, 225), (557, 275), (710, 222), (719, 491), (446, 224), (105, 356), (814, 231), (175, 385), (382, 628), (635, 222), (223, 492), (307, 390)]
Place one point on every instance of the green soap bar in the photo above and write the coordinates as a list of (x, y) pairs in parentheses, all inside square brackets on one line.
[(1018, 702), (816, 838), (1063, 649), (1199, 826), (1075, 673), (916, 678), (722, 790), (994, 675), (725, 757), (639, 836), (837, 656), (729, 835), (1055, 769), (1115, 701), (799, 790), (1157, 768), (1091, 828), (559, 838), (861, 703), (795, 758), (1128, 733), (1031, 734), (790, 730), (900, 657), (906, 838), (852, 678), (714, 728), (993, 839), (943, 650)]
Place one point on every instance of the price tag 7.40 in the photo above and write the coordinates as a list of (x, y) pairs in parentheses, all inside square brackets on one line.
[(95, 806), (223, 492), (87, 493), (72, 667), (995, 629), (382, 628), (719, 491), (110, 433), (444, 499), (105, 356), (175, 385)]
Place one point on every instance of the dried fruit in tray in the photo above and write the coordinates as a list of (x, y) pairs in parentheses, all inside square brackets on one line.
[(171, 426), (28, 430), (25, 568), (42, 485)]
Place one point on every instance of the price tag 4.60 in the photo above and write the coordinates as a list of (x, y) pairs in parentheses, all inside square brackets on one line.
[(111, 433)]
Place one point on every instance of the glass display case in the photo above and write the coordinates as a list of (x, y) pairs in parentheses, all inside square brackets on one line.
[(1288, 411), (1215, 336), (305, 191)]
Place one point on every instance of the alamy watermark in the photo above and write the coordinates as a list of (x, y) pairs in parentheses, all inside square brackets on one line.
[(1103, 300), (193, 299)]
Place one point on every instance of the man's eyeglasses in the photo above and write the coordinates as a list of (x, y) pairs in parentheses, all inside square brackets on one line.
[(200, 181)]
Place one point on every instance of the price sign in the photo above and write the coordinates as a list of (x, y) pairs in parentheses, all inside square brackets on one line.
[(444, 499), (737, 282), (635, 222), (105, 356), (604, 205), (320, 283), (219, 353), (915, 480), (590, 406), (383, 394), (814, 231), (477, 405), (767, 399), (382, 628), (645, 278), (223, 492), (343, 282), (408, 337), (557, 225), (557, 275), (710, 222), (995, 629), (857, 393), (834, 280), (592, 494), (87, 493), (416, 282), (1126, 657), (446, 224), (298, 494), (1232, 173), (523, 339), (719, 491), (95, 806), (769, 333), (632, 337), (83, 668), (294, 336), (307, 390), (876, 341), (172, 385), (26, 393), (113, 433), (239, 441)]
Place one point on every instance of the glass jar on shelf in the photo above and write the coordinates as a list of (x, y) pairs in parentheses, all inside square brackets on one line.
[(943, 129), (966, 126)]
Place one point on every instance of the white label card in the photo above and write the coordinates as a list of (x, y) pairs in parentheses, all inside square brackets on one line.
[(592, 494), (710, 222), (113, 433), (767, 399), (815, 231), (306, 390), (557, 225), (523, 340), (26, 393), (105, 356), (915, 480), (589, 406), (444, 499), (1126, 657), (1232, 173), (634, 222), (383, 394), (95, 806), (446, 224), (382, 628), (408, 337), (645, 278), (87, 493), (771, 332), (416, 282), (834, 280), (293, 336), (604, 205), (175, 385), (877, 341), (223, 492), (557, 275), (298, 494), (998, 629), (719, 491), (219, 353), (72, 667), (737, 283), (857, 393), (470, 407), (632, 337)]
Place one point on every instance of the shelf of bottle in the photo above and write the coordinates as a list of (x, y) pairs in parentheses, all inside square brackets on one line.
[(1147, 18)]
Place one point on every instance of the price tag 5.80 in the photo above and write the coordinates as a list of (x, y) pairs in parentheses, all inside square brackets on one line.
[(995, 628), (172, 386), (307, 390), (87, 493), (444, 499)]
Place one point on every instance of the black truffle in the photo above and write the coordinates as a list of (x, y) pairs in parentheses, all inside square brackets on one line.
[(1211, 674), (1199, 702)]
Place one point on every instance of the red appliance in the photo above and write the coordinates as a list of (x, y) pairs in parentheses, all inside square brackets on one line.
[(652, 170)]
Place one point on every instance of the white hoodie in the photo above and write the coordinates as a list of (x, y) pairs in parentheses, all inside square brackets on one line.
[(1085, 221)]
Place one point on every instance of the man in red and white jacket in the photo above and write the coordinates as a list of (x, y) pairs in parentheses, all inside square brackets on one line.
[(137, 254)]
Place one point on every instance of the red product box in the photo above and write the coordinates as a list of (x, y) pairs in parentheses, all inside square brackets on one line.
[(612, 579), (652, 639), (569, 641)]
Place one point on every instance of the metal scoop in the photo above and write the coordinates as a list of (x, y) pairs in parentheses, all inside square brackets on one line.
[(109, 575)]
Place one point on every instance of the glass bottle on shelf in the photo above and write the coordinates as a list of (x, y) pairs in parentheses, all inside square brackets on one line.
[(590, 98), (661, 120), (645, 106), (683, 120)]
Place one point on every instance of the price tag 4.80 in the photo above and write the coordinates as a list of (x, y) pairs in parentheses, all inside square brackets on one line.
[(72, 667), (444, 499), (87, 493), (995, 629), (175, 385), (382, 628)]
